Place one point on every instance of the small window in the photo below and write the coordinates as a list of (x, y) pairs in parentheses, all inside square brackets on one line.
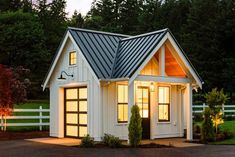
[(164, 104), (72, 58), (122, 106)]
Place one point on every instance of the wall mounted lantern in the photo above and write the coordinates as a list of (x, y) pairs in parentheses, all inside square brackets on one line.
[(63, 78), (152, 88)]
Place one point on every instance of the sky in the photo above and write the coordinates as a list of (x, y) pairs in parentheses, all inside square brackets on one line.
[(82, 6)]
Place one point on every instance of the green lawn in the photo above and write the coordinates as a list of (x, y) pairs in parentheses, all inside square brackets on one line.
[(227, 125), (29, 105)]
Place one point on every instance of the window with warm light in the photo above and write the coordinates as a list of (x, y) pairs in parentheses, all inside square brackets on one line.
[(122, 106), (164, 104), (72, 58)]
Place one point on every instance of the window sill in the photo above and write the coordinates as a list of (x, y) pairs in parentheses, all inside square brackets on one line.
[(166, 122), (121, 124)]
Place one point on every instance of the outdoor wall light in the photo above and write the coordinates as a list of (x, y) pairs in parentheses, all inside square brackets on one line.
[(152, 88), (63, 78)]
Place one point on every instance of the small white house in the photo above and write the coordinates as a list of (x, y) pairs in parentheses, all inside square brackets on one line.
[(96, 77)]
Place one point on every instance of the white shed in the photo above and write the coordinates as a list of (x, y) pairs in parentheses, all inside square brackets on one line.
[(96, 77)]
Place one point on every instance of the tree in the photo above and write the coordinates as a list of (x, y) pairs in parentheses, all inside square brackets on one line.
[(77, 20), (135, 128), (10, 5), (12, 89), (215, 99), (22, 43), (207, 127)]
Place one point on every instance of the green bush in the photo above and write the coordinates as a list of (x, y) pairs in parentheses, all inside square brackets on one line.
[(228, 134), (135, 128), (197, 131), (112, 141), (207, 127), (87, 141), (197, 117)]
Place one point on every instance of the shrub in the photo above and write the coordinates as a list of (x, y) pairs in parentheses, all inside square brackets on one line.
[(87, 141), (197, 131), (207, 127), (111, 141), (135, 128), (197, 117), (106, 139), (228, 134), (114, 142)]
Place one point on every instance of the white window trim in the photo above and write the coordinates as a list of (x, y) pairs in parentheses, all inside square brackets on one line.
[(116, 105), (73, 65), (164, 122)]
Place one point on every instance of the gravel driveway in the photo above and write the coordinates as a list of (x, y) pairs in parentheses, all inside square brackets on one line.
[(20, 148)]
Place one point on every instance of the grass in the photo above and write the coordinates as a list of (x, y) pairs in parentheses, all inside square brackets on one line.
[(227, 125), (29, 105), (230, 126)]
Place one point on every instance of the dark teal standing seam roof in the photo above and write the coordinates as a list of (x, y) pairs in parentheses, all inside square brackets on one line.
[(133, 51), (116, 56), (99, 48)]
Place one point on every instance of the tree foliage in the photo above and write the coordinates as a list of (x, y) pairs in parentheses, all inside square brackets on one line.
[(13, 86), (135, 127), (207, 127), (205, 30)]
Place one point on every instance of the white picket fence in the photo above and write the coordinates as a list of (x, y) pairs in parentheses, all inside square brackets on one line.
[(225, 109), (40, 118)]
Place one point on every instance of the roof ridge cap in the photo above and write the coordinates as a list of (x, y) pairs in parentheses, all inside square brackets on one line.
[(145, 34), (100, 32)]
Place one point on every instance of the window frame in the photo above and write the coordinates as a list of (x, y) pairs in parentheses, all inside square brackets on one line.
[(168, 104), (121, 103), (73, 51)]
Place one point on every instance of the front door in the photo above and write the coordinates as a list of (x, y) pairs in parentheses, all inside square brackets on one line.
[(76, 112), (142, 101)]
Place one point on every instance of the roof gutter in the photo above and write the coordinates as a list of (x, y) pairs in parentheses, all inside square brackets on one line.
[(114, 80)]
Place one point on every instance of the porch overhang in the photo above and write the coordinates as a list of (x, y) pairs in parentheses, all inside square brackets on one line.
[(163, 79)]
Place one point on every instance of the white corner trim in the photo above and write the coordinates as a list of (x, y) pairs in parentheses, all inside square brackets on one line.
[(84, 58), (148, 59), (55, 60), (185, 61)]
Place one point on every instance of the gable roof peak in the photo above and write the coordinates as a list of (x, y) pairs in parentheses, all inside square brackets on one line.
[(146, 34), (98, 32)]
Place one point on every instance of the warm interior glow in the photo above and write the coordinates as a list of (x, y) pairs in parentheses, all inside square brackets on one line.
[(122, 103), (142, 100), (82, 131), (71, 130), (164, 94), (163, 103), (163, 112), (82, 93), (72, 118), (82, 118), (83, 106), (72, 106), (72, 58), (71, 93)]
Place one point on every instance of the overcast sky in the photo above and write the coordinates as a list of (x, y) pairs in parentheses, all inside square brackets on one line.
[(82, 6)]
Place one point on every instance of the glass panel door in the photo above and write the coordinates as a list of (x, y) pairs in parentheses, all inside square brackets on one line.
[(76, 112), (142, 100)]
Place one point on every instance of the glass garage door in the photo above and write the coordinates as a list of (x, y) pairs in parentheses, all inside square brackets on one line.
[(76, 112)]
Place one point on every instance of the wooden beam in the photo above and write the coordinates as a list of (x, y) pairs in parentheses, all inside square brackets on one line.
[(163, 79), (162, 61)]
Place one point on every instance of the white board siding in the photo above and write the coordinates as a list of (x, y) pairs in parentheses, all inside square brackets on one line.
[(82, 76), (110, 124), (172, 128)]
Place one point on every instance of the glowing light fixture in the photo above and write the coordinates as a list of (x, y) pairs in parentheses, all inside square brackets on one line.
[(152, 89)]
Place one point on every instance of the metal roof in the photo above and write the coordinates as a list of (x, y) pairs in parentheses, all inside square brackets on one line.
[(133, 51), (99, 48), (115, 56)]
